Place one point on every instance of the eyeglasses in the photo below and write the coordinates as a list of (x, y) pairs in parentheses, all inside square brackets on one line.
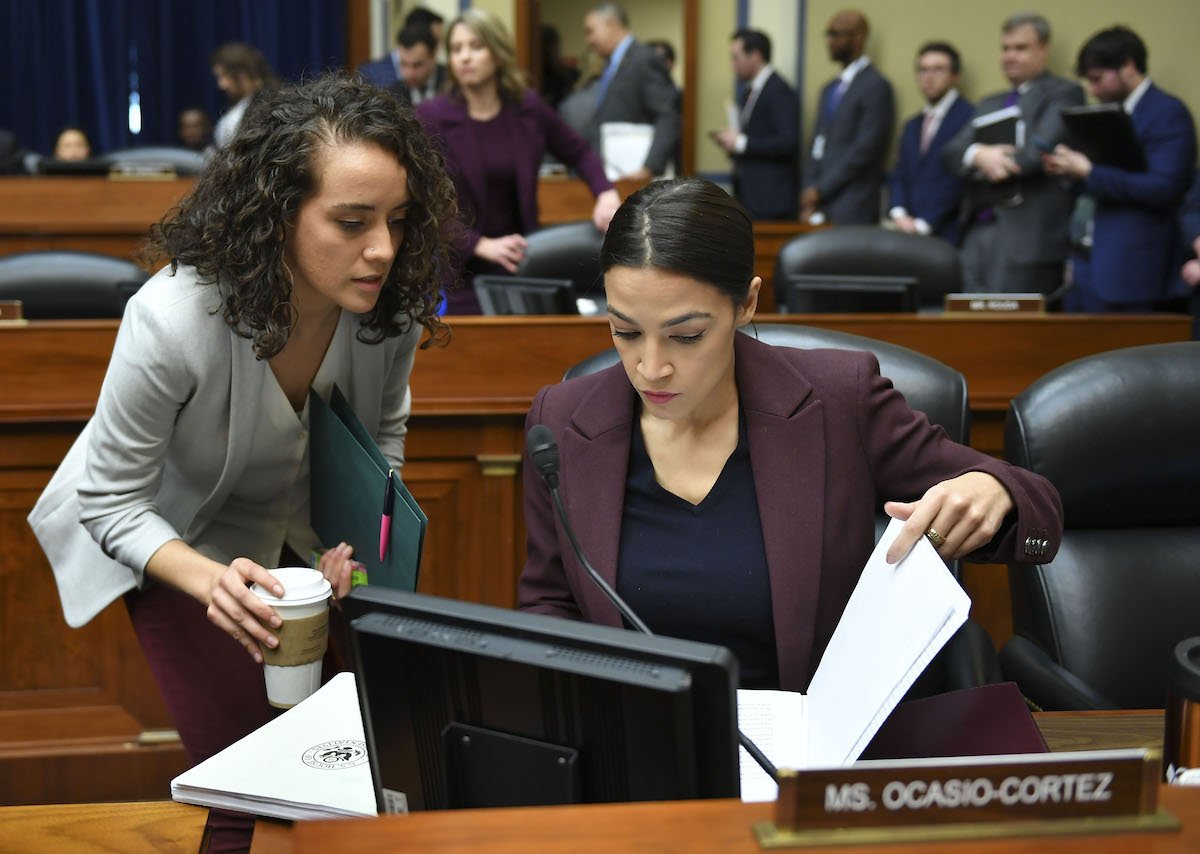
[(834, 34), (933, 69)]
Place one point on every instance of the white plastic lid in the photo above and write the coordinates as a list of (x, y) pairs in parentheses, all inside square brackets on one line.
[(301, 586)]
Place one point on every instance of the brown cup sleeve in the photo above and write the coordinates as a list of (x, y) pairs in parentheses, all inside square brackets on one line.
[(301, 641)]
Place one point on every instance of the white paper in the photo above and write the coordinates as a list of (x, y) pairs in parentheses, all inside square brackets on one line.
[(624, 146), (733, 116), (308, 763), (897, 619), (776, 722)]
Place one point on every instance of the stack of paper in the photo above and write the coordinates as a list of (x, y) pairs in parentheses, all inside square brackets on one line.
[(308, 763), (897, 619)]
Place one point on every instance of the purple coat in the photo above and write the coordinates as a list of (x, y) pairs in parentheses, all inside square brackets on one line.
[(534, 128), (829, 440)]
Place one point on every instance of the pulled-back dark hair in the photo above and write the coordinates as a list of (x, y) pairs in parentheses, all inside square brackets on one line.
[(231, 226), (688, 226)]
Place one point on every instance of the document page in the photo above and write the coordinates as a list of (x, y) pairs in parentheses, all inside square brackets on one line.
[(308, 763), (897, 619), (775, 721)]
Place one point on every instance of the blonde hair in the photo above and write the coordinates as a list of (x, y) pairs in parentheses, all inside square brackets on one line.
[(510, 79)]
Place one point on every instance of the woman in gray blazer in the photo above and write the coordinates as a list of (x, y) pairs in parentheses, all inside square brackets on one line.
[(306, 256)]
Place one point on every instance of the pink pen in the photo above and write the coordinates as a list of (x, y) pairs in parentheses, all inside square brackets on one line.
[(385, 520)]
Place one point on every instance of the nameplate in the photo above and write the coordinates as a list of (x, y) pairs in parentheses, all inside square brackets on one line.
[(974, 796), (12, 311), (995, 303)]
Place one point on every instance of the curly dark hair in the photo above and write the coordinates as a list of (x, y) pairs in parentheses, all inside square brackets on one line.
[(230, 226)]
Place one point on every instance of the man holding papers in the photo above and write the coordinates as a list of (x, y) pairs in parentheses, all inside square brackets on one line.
[(728, 489), (1131, 263), (1014, 214), (289, 272)]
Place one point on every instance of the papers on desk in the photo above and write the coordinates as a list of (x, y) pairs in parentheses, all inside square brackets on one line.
[(897, 619), (308, 763)]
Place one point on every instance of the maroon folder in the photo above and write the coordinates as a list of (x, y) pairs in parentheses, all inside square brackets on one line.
[(982, 721)]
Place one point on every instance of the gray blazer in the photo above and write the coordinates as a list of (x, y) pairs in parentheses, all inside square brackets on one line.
[(1032, 223), (641, 91), (172, 435), (850, 174)]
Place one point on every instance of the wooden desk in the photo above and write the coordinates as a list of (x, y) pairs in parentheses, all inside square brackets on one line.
[(163, 826), (93, 214), (80, 706)]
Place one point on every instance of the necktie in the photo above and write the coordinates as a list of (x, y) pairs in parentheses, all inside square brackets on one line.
[(927, 131), (610, 71), (1013, 97), (835, 98)]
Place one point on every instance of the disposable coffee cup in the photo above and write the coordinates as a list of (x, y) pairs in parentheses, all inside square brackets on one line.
[(1181, 741), (293, 668)]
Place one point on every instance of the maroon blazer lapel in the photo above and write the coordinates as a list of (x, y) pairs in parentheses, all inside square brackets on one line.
[(461, 140), (786, 434), (597, 443)]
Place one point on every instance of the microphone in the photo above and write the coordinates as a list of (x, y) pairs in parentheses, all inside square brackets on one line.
[(543, 451)]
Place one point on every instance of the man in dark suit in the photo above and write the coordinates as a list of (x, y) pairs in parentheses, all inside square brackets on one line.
[(925, 197), (387, 71), (763, 146), (844, 181), (1015, 215), (421, 76), (634, 87), (1134, 236)]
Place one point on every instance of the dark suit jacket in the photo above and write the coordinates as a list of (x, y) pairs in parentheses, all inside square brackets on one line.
[(766, 175), (849, 176), (538, 130), (829, 439), (641, 91), (439, 80), (920, 182), (381, 72), (1033, 225), (1134, 240)]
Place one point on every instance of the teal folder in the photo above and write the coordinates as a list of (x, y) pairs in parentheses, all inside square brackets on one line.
[(348, 482)]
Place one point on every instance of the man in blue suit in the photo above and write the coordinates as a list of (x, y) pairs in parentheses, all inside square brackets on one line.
[(925, 196), (1134, 237), (766, 175)]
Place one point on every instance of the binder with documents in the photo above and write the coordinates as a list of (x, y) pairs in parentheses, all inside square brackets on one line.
[(1104, 132), (348, 478)]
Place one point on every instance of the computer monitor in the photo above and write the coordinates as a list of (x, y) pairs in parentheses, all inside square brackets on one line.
[(822, 294), (466, 705), (522, 295)]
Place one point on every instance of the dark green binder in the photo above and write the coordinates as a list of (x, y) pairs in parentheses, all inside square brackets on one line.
[(348, 481)]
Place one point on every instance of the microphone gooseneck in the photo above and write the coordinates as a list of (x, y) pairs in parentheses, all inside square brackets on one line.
[(543, 451)]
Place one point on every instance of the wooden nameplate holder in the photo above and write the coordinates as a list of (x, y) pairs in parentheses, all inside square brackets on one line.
[(994, 304), (896, 801)]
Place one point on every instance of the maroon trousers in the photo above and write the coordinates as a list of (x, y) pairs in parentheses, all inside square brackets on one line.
[(212, 687)]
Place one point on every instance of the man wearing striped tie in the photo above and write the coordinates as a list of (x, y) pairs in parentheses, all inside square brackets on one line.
[(844, 178), (924, 196)]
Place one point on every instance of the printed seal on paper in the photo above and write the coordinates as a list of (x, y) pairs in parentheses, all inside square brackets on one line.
[(335, 755)]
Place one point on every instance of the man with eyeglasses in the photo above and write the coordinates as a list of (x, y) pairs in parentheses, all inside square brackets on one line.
[(924, 196), (844, 179)]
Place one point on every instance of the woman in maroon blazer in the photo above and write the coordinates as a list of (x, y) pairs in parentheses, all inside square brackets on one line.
[(494, 132), (728, 488)]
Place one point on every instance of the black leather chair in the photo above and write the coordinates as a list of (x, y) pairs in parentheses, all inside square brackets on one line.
[(1119, 435), (63, 284), (867, 250), (183, 161), (567, 251), (940, 392)]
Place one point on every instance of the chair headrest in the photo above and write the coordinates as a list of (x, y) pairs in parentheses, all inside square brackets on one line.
[(1118, 434)]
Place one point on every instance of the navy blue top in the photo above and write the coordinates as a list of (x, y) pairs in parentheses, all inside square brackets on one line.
[(699, 572)]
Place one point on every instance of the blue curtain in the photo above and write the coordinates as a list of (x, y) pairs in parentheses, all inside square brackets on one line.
[(75, 62)]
